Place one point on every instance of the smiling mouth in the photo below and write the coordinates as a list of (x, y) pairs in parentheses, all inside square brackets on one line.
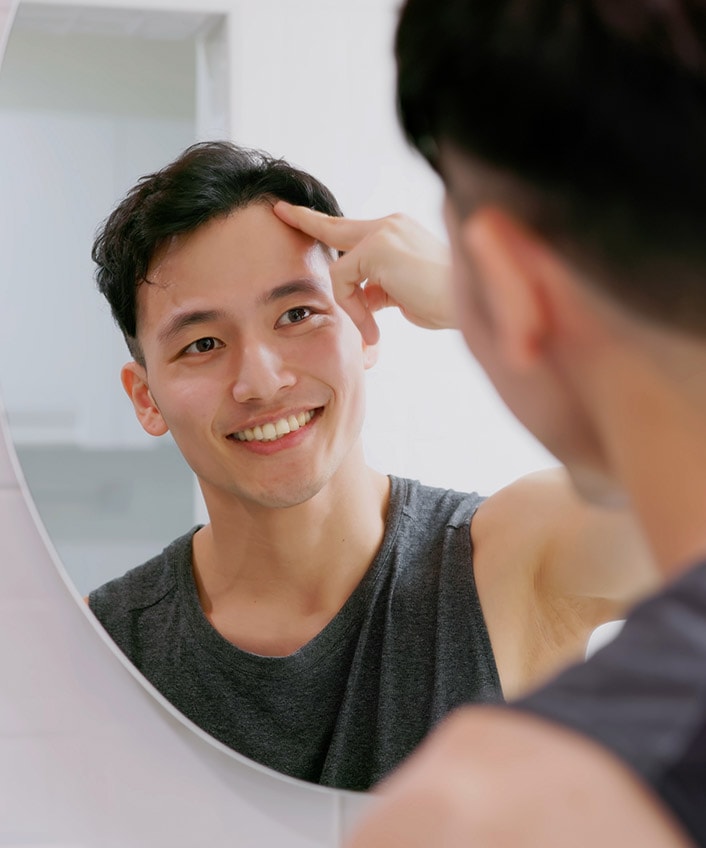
[(274, 430)]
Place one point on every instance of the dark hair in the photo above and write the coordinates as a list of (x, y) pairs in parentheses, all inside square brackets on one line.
[(209, 180), (594, 110)]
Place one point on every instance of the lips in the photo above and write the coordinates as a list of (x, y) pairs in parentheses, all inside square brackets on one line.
[(273, 430)]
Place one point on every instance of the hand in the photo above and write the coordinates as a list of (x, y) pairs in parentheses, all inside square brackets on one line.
[(390, 261)]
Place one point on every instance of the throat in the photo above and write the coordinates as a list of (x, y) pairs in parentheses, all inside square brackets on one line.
[(268, 630), (274, 607), (270, 587)]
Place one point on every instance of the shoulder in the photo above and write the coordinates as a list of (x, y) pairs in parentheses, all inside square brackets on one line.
[(429, 505), (532, 500), (428, 529), (585, 795), (143, 586), (573, 548), (540, 523), (513, 525)]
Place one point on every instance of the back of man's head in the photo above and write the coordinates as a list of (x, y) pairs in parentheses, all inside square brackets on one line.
[(594, 111), (209, 180)]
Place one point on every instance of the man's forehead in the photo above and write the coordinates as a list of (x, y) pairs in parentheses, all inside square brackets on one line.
[(252, 240), (172, 286)]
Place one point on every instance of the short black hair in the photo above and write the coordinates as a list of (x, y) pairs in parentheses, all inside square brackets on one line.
[(209, 180), (596, 110)]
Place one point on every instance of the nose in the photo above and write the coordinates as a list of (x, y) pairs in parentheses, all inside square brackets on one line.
[(261, 374)]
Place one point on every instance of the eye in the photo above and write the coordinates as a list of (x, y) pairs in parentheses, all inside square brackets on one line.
[(205, 345), (294, 316)]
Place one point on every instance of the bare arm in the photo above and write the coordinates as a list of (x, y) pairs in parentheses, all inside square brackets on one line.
[(588, 551), (550, 568), (489, 777)]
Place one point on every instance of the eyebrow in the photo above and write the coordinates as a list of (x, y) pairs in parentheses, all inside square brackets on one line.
[(305, 285), (183, 320)]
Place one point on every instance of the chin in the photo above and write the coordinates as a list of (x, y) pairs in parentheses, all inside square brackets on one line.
[(288, 495), (598, 488)]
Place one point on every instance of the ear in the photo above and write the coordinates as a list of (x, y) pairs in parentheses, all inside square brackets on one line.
[(516, 273), (134, 380)]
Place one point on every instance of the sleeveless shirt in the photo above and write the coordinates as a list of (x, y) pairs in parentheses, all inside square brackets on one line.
[(408, 646)]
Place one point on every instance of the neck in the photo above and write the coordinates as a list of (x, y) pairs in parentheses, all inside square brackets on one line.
[(651, 413), (301, 561)]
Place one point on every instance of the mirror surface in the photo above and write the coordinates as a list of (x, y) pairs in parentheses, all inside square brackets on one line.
[(90, 100)]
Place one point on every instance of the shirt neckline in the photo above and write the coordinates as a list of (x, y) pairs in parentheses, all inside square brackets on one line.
[(326, 645)]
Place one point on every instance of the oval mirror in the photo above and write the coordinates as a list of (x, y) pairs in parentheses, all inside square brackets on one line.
[(91, 98)]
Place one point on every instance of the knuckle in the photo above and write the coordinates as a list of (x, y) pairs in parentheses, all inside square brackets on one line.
[(393, 227)]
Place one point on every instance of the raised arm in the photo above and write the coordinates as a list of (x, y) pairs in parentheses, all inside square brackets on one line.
[(549, 569), (593, 552)]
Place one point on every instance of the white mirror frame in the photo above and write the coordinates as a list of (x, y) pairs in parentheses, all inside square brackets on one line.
[(90, 753)]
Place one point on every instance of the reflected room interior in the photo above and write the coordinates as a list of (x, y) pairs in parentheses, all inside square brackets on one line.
[(90, 100)]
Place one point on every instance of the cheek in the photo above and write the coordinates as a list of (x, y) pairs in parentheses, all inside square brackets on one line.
[(337, 349), (339, 360), (185, 402)]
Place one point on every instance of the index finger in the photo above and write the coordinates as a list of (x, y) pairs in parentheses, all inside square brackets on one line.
[(339, 233)]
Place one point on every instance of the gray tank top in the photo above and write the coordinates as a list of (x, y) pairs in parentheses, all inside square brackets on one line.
[(409, 644)]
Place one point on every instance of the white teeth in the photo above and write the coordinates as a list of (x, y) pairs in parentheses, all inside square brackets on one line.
[(274, 430)]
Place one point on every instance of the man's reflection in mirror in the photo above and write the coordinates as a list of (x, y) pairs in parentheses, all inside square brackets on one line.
[(328, 615)]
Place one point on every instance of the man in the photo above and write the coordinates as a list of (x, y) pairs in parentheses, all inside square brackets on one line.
[(570, 138), (327, 616)]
